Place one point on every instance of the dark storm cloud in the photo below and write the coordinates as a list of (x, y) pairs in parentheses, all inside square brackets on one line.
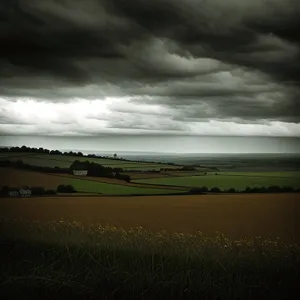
[(208, 59)]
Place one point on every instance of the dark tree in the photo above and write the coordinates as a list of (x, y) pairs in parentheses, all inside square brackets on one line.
[(37, 191), (274, 189), (215, 190), (4, 191), (198, 191), (50, 192), (65, 189)]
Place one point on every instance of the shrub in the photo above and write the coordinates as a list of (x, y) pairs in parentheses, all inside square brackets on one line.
[(50, 192), (215, 190), (274, 189), (199, 191), (37, 190), (118, 170), (248, 189), (65, 189), (4, 191), (124, 177), (288, 189)]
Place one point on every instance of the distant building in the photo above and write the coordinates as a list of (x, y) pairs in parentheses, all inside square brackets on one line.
[(13, 193), (80, 172), (25, 192)]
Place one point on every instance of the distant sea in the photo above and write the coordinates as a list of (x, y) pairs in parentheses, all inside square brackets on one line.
[(157, 145), (243, 162)]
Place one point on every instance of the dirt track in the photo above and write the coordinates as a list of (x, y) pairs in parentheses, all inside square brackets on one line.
[(245, 215)]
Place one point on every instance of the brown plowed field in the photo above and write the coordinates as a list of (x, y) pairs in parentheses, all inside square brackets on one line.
[(243, 215), (13, 177)]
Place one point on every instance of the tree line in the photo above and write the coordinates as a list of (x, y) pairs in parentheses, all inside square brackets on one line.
[(248, 190), (38, 150)]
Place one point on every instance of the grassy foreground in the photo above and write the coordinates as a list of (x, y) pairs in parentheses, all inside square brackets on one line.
[(66, 259)]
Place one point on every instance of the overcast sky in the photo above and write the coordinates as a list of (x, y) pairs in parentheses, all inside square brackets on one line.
[(175, 67)]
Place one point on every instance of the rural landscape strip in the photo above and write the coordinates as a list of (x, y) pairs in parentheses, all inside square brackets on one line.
[(139, 182), (134, 184)]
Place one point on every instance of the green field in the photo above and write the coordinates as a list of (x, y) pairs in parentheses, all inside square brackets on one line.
[(87, 186), (8, 155), (42, 162), (291, 174), (229, 180)]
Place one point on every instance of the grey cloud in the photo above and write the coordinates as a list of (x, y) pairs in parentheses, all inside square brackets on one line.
[(232, 59)]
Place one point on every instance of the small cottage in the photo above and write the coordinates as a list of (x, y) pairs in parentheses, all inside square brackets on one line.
[(80, 172), (13, 193), (25, 192)]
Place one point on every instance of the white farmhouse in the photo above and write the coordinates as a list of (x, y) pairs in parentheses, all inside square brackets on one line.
[(80, 172), (25, 192)]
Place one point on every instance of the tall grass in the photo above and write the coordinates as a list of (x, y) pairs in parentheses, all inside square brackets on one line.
[(103, 262)]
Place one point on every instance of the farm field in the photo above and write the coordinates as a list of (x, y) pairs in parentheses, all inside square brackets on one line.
[(8, 155), (118, 182), (234, 215), (36, 161), (103, 161), (13, 177), (199, 172), (291, 174), (227, 180)]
